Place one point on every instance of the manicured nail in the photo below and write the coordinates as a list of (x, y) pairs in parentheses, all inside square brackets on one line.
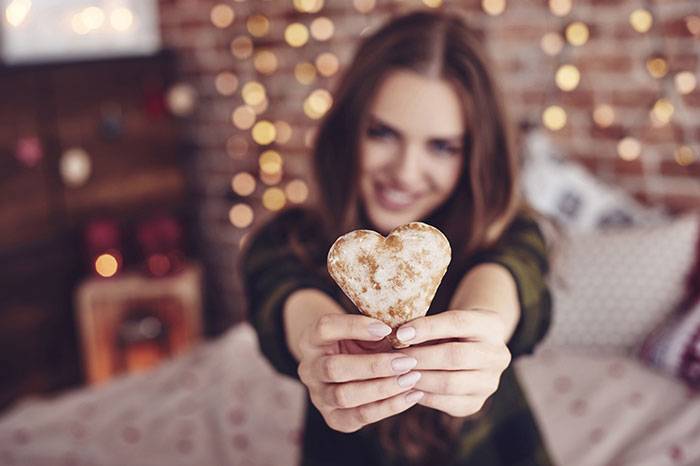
[(378, 329), (406, 333), (403, 364), (413, 396), (409, 379)]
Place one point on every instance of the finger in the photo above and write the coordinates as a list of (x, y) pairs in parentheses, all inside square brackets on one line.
[(350, 367), (353, 394), (456, 356), (456, 383), (454, 405), (330, 328), (472, 325), (352, 419)]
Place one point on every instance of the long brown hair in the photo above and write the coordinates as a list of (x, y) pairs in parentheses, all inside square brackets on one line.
[(485, 201)]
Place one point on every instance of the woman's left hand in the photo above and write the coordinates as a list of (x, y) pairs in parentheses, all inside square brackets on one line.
[(462, 359)]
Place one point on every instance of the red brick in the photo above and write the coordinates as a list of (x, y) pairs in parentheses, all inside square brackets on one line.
[(611, 132), (577, 98), (631, 167), (634, 98), (674, 27), (667, 133), (672, 168), (606, 63), (692, 99)]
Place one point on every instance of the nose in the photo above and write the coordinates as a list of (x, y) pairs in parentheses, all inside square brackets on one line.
[(408, 166)]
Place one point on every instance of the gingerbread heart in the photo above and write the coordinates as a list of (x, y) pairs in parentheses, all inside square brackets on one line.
[(393, 279)]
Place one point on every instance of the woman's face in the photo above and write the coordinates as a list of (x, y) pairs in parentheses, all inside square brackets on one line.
[(411, 150)]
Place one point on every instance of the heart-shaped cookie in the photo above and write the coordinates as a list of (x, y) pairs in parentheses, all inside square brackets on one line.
[(393, 279)]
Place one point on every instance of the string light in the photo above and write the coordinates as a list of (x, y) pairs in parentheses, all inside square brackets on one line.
[(263, 132), (92, 17), (121, 19), (305, 73), (327, 64), (684, 155), (243, 184), (222, 15), (261, 107), (493, 7), (432, 3), (297, 191), (552, 43), (364, 6), (317, 104), (560, 7), (567, 77), (241, 215), (274, 199), (226, 83), (270, 162), (271, 179), (663, 110), (629, 149), (604, 115), (693, 25), (296, 34), (308, 6), (554, 117), (181, 99), (322, 28), (107, 265), (242, 47), (253, 93), (284, 132), (258, 25), (265, 61), (641, 20), (577, 33), (244, 117), (17, 11), (75, 167), (657, 67), (685, 82)]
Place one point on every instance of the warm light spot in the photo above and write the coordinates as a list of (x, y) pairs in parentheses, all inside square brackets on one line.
[(493, 7), (253, 93), (305, 73), (604, 115), (106, 265), (241, 215), (641, 20), (75, 167), (310, 137), (244, 117), (663, 110), (560, 7), (554, 118), (327, 64), (685, 82), (265, 61), (226, 83), (78, 25), (629, 148), (657, 67), (297, 191), (284, 132), (318, 103), (322, 28), (364, 6), (121, 19), (181, 99), (684, 155), (296, 34), (552, 43), (242, 47), (261, 107), (270, 162), (308, 6), (274, 199), (433, 3), (271, 179), (577, 33), (258, 25), (263, 132), (567, 77), (17, 11), (243, 184), (222, 15), (93, 17), (693, 25), (237, 146)]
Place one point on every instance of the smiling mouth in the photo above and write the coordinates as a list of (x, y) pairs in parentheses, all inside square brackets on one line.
[(394, 199)]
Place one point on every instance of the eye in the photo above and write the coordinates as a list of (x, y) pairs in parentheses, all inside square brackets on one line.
[(444, 147), (380, 132)]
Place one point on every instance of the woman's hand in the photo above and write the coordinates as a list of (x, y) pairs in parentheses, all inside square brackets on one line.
[(462, 362), (353, 377)]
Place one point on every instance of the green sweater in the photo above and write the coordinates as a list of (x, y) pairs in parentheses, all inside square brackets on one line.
[(504, 434)]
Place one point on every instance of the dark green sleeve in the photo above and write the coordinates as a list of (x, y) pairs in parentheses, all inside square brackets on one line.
[(271, 272), (523, 252)]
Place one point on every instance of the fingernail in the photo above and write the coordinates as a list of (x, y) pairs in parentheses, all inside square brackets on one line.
[(409, 379), (403, 364), (406, 333), (379, 329), (413, 396)]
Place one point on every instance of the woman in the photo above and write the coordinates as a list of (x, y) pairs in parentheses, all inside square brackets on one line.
[(417, 133)]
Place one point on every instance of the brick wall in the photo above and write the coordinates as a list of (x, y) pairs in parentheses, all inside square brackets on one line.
[(612, 65)]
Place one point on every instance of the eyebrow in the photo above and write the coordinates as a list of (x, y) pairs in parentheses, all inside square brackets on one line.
[(458, 138)]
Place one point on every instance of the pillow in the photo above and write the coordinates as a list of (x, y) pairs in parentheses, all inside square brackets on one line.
[(610, 288), (674, 346)]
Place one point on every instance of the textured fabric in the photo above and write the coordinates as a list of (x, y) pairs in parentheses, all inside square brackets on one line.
[(506, 432)]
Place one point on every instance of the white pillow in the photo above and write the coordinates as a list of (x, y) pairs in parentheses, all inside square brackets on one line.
[(613, 286)]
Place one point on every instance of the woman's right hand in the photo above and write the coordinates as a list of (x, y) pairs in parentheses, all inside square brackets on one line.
[(354, 378)]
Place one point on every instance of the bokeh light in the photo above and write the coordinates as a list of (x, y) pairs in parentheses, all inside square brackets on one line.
[(604, 115), (693, 25), (243, 184), (327, 64), (297, 191), (253, 93), (554, 118), (686, 82), (284, 132), (629, 148), (364, 6), (577, 33), (241, 215), (560, 7), (75, 167), (222, 15), (552, 43), (17, 11), (181, 99), (318, 103), (322, 28), (242, 47), (274, 199), (261, 107), (663, 110), (263, 132), (641, 20), (106, 265), (657, 67), (296, 34), (305, 73), (258, 25), (308, 6), (226, 83), (684, 155), (310, 137), (567, 77), (237, 146), (244, 117), (270, 162), (271, 179), (493, 7), (121, 19), (93, 17), (433, 3), (265, 61)]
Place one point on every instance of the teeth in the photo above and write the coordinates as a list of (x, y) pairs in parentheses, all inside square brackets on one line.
[(397, 196)]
